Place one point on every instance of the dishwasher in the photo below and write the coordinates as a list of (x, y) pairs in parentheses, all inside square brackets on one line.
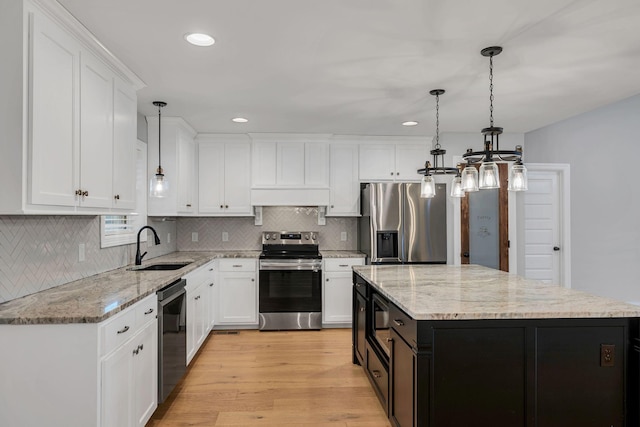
[(172, 337)]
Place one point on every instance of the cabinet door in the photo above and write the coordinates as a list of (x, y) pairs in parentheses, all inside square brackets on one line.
[(237, 179), (336, 296), (359, 326), (263, 166), (54, 144), (237, 299), (124, 146), (96, 132), (316, 159), (377, 162), (402, 366), (290, 164), (410, 158), (146, 374), (117, 390), (343, 175), (211, 173), (186, 166)]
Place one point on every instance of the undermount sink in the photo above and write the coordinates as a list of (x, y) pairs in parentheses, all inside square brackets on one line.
[(165, 266)]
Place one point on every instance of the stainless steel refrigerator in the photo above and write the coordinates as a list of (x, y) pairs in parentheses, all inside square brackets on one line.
[(398, 226)]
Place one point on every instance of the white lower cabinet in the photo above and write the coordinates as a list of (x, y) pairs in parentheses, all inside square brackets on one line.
[(198, 301), (336, 290), (236, 293), (129, 372)]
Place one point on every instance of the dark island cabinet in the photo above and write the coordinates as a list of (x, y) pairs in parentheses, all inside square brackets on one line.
[(504, 372)]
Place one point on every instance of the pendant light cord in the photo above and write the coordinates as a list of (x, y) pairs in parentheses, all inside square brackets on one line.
[(159, 137), (437, 121), (491, 89)]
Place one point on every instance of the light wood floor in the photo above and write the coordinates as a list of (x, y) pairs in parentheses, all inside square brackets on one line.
[(294, 378)]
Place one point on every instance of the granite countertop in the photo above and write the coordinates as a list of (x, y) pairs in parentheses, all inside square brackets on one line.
[(342, 254), (446, 292), (96, 298)]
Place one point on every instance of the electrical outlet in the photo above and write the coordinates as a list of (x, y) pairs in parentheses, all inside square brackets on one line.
[(194, 237), (225, 236), (343, 236), (168, 237), (81, 254)]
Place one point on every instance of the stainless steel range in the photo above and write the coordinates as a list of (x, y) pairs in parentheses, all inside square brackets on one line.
[(290, 281)]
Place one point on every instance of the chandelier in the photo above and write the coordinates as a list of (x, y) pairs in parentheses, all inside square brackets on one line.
[(428, 185), (488, 176)]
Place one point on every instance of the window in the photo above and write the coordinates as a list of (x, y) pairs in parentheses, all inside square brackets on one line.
[(122, 229)]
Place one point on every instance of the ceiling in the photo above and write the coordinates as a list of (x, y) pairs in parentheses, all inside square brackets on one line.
[(365, 66)]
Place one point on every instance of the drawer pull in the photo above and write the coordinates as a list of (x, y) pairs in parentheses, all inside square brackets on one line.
[(136, 351), (197, 298), (237, 265), (376, 374), (362, 309), (343, 265), (211, 269), (123, 330), (398, 322), (141, 347), (389, 339), (210, 284), (148, 311)]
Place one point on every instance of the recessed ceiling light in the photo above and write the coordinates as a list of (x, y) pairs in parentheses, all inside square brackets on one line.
[(239, 120), (199, 39), (411, 123)]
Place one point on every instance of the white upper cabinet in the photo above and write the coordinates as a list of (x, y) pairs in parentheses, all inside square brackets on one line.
[(392, 161), (224, 180), (178, 163), (291, 161), (64, 125), (343, 180)]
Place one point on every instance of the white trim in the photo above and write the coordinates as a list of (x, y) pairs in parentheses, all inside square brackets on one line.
[(564, 184)]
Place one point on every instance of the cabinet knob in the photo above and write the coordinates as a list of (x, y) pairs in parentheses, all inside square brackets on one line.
[(188, 205), (389, 339), (362, 309), (327, 279), (136, 351), (331, 206), (397, 173), (391, 173), (253, 280), (221, 206), (210, 284), (398, 322), (556, 248), (85, 193), (376, 374), (117, 197), (78, 192), (226, 206), (141, 347)]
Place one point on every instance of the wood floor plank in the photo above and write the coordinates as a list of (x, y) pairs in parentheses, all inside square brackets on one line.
[(289, 378)]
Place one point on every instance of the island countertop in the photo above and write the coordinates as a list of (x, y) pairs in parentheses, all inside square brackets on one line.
[(472, 292)]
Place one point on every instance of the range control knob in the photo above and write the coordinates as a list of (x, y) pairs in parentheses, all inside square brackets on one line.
[(306, 237), (314, 236), (274, 236), (267, 237)]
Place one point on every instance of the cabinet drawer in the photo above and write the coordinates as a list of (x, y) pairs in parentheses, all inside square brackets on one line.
[(379, 376), (146, 310), (404, 325), (341, 264), (117, 330), (237, 264)]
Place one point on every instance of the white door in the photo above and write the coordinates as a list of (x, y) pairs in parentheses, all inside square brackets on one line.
[(377, 162), (237, 299), (343, 176), (543, 238), (146, 374), (211, 166), (410, 158), (237, 178), (124, 146)]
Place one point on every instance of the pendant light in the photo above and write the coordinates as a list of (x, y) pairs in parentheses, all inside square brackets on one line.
[(428, 184), (159, 185), (489, 176)]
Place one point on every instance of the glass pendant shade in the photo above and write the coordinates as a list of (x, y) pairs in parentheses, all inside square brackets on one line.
[(427, 187), (159, 186), (518, 178), (489, 177), (469, 179), (456, 187)]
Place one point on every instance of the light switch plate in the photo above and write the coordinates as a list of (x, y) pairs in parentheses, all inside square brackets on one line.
[(343, 236), (81, 252), (194, 236), (225, 236)]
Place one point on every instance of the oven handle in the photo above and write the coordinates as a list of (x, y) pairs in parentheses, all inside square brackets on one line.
[(274, 266)]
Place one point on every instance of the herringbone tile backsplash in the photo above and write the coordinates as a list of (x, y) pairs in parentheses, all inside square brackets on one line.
[(41, 252), (245, 235)]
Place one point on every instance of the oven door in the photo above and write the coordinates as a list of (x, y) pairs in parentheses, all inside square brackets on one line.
[(290, 286)]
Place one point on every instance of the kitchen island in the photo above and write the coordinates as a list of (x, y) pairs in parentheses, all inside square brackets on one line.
[(472, 346)]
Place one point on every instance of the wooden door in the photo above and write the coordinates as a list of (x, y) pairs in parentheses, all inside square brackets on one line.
[(502, 223)]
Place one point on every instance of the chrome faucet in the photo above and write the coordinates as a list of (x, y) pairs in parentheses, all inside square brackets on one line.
[(155, 236)]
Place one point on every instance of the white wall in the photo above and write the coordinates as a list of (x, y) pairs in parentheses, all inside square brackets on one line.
[(602, 147)]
